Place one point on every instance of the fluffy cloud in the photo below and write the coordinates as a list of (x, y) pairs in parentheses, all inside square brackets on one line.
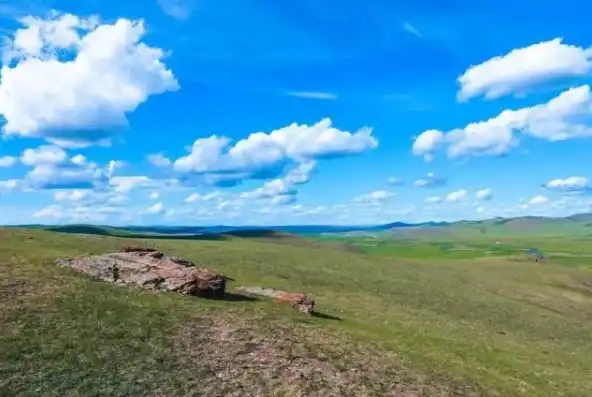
[(72, 80), (46, 155), (458, 195), (426, 143), (7, 161), (155, 209), (570, 184), (159, 160), (10, 185), (563, 117), (522, 68), (53, 169), (262, 155), (73, 195), (378, 197), (193, 197), (538, 200), (484, 194), (154, 195), (430, 181), (283, 190)]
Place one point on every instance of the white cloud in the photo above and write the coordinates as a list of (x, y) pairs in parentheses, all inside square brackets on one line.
[(378, 197), (193, 197), (7, 161), (283, 190), (433, 199), (395, 181), (458, 195), (538, 200), (113, 166), (72, 80), (44, 155), (49, 212), (314, 95), (154, 195), (523, 68), (426, 143), (430, 181), (262, 155), (73, 195), (484, 194), (10, 185), (159, 160), (125, 184), (53, 169), (570, 184), (157, 208), (563, 117), (411, 29)]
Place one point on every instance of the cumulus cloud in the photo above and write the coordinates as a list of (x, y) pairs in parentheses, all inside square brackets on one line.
[(375, 198), (53, 169), (564, 117), (484, 194), (72, 80), (430, 181), (426, 143), (193, 197), (73, 195), (283, 190), (458, 195), (10, 185), (265, 155), (157, 208), (570, 184), (7, 161), (159, 160), (154, 195), (536, 200), (523, 68)]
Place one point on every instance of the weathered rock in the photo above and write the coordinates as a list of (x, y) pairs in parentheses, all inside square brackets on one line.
[(296, 300), (151, 269)]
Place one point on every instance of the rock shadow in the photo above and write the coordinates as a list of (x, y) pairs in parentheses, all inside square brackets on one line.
[(325, 316), (234, 297)]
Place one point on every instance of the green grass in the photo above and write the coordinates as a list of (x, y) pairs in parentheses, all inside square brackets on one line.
[(419, 318)]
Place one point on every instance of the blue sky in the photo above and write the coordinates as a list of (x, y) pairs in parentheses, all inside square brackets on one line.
[(273, 112)]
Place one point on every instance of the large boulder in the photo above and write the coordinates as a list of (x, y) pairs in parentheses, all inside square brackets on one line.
[(151, 269)]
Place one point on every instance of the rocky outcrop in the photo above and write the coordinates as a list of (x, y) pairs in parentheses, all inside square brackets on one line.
[(296, 300), (151, 269)]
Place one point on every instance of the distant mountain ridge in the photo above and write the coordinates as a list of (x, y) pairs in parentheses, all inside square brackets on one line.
[(573, 224)]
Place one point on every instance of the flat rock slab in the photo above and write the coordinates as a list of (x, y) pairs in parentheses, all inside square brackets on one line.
[(151, 269), (296, 300)]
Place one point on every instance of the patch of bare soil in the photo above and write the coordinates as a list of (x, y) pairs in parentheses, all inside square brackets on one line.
[(244, 360)]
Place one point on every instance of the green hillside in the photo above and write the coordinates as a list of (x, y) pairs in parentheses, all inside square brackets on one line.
[(577, 225), (396, 324)]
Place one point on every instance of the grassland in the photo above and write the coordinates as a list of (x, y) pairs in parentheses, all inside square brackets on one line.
[(457, 317)]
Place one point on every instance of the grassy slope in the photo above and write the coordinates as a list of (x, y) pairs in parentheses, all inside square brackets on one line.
[(490, 326)]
